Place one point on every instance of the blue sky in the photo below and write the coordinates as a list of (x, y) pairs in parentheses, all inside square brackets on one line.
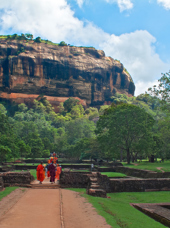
[(134, 31)]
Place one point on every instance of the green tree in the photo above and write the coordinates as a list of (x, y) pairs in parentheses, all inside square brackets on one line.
[(125, 127), (77, 111), (29, 36), (38, 39), (3, 109), (78, 129), (163, 89), (70, 103), (4, 153), (164, 137), (62, 43)]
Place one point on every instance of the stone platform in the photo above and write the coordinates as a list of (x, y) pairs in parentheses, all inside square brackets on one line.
[(46, 184), (158, 211)]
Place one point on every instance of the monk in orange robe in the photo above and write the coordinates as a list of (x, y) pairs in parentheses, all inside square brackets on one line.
[(40, 173), (55, 160), (51, 159), (58, 171)]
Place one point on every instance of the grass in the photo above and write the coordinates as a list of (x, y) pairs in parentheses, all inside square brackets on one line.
[(150, 166), (118, 212), (6, 192), (33, 172), (113, 174)]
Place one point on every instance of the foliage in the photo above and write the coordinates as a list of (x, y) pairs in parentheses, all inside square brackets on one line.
[(62, 43), (37, 39), (163, 89), (125, 127), (70, 103)]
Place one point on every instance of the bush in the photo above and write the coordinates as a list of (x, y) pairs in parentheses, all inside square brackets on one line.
[(38, 39), (62, 43)]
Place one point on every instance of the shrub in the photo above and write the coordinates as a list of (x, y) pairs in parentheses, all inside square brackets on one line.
[(62, 43), (38, 39)]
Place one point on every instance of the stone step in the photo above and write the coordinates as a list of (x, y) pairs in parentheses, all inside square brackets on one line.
[(93, 174), (95, 186), (97, 192), (93, 179), (45, 186)]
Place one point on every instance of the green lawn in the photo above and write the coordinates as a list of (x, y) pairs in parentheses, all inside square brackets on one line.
[(7, 191), (33, 172), (113, 174), (118, 212), (150, 166)]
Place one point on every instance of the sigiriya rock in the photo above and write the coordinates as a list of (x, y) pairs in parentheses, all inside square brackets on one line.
[(29, 69)]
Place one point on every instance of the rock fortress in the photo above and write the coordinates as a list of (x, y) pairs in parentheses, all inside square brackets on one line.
[(29, 69)]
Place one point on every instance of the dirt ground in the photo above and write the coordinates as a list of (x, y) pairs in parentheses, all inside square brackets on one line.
[(10, 200), (48, 208)]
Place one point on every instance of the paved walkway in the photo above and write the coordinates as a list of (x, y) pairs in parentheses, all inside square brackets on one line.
[(54, 208), (37, 208)]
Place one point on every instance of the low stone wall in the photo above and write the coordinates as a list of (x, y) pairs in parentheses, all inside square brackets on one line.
[(109, 169), (74, 180), (6, 168), (141, 173), (104, 182), (139, 185), (1, 184), (16, 178), (26, 167)]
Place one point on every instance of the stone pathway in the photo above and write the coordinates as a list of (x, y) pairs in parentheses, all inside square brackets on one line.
[(37, 208), (52, 208)]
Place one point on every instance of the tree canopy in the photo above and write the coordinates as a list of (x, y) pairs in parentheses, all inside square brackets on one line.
[(125, 127)]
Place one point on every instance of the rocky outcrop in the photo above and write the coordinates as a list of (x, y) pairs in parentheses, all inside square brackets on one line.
[(33, 68)]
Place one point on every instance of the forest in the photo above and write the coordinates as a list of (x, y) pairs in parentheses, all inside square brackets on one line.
[(130, 128)]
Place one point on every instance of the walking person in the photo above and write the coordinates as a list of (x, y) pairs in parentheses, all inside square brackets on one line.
[(40, 173), (58, 171), (92, 167), (52, 168)]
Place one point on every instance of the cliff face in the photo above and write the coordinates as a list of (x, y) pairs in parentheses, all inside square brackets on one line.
[(37, 68)]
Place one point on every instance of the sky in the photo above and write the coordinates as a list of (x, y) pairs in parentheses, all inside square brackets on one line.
[(136, 32)]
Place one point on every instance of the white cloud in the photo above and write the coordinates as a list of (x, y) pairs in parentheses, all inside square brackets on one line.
[(122, 4), (137, 53), (142, 86), (54, 20), (164, 3), (80, 2)]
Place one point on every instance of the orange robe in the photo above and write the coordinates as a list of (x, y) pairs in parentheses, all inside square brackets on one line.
[(57, 176), (40, 173), (55, 160), (48, 173)]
